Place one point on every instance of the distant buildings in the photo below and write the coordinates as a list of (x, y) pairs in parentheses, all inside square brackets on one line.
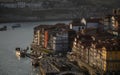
[(35, 4), (21, 5), (111, 24)]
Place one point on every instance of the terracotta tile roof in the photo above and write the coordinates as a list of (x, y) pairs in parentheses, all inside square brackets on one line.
[(93, 20), (110, 45), (77, 22), (42, 26)]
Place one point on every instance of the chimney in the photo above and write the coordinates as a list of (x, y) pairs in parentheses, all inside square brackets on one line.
[(71, 26), (93, 38), (116, 11)]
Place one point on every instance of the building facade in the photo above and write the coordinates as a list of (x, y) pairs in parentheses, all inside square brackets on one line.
[(101, 55)]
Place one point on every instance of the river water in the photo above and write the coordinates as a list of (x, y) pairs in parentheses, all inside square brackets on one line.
[(19, 37)]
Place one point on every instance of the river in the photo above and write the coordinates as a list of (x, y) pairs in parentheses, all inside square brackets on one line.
[(18, 37)]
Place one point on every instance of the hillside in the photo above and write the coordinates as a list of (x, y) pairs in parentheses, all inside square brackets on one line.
[(107, 3), (58, 9)]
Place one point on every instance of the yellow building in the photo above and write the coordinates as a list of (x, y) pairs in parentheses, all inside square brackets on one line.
[(111, 58)]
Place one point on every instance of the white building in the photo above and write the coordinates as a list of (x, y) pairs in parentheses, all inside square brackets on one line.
[(22, 5), (78, 25), (59, 43)]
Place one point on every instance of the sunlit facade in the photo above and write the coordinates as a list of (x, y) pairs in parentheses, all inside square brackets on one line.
[(103, 56)]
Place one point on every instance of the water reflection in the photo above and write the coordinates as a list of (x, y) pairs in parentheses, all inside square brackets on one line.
[(18, 55)]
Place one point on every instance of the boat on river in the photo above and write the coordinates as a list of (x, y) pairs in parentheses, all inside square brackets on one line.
[(4, 28), (16, 26), (21, 53)]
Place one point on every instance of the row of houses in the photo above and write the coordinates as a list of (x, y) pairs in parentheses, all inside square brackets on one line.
[(54, 37), (47, 35), (103, 55), (98, 47), (58, 37)]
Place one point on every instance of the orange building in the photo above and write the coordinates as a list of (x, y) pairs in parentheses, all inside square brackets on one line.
[(46, 39)]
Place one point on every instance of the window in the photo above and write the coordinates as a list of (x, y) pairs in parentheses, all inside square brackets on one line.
[(110, 57)]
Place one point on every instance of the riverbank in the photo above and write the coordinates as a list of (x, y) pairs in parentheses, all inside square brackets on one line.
[(33, 20)]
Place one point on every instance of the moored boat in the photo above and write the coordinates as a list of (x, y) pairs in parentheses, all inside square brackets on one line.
[(17, 51), (4, 28), (16, 26), (20, 52)]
